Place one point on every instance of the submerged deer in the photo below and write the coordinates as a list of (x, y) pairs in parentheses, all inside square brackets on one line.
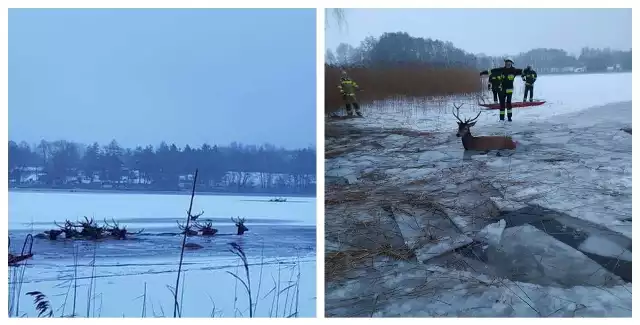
[(469, 142), (240, 224)]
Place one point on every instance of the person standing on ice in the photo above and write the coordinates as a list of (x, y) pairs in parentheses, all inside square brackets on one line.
[(494, 86), (348, 90), (507, 75), (529, 76)]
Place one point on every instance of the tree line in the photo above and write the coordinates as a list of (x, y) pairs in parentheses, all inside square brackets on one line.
[(400, 47), (552, 60), (233, 168)]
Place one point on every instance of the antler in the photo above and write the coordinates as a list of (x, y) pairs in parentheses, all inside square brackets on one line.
[(200, 226), (134, 233), (475, 118), (237, 221), (68, 224), (197, 225), (180, 226), (195, 216), (61, 227), (115, 224), (458, 113), (87, 222)]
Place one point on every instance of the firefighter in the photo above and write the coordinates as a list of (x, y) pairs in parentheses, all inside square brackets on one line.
[(507, 75), (494, 85), (348, 90), (529, 77)]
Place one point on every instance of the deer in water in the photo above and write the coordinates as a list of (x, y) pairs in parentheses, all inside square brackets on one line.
[(240, 224), (469, 142)]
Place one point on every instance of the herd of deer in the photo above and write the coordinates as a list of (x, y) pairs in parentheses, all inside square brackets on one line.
[(198, 229), (90, 230), (485, 143)]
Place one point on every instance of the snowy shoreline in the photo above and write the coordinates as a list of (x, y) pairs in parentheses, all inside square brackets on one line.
[(206, 287)]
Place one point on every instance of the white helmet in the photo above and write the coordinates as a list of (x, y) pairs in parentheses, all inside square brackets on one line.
[(509, 60)]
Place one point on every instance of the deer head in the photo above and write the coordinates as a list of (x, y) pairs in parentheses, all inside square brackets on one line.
[(240, 224), (464, 126), (469, 142)]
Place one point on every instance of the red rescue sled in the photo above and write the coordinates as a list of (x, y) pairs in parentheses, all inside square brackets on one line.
[(513, 104)]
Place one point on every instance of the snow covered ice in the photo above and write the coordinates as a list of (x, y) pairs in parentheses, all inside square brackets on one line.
[(544, 230), (132, 277)]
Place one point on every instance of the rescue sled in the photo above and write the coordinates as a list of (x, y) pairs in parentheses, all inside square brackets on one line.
[(513, 104)]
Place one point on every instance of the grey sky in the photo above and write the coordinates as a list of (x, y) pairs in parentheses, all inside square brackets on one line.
[(492, 31), (142, 76)]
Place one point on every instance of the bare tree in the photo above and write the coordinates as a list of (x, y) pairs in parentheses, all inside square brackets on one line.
[(338, 15)]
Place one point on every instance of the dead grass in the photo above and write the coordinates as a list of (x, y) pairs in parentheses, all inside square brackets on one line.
[(362, 242), (407, 80), (338, 264), (337, 152), (335, 196)]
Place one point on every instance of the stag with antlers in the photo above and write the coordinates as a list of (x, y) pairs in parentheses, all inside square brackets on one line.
[(485, 143), (90, 229), (115, 231), (68, 229), (205, 229), (240, 224)]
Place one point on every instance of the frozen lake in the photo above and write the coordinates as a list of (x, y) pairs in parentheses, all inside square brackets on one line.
[(280, 247), (544, 230)]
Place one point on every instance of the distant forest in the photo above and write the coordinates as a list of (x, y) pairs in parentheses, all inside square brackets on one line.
[(234, 168), (400, 47)]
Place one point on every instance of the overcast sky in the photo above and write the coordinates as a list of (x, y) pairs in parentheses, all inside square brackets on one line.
[(143, 76), (491, 31)]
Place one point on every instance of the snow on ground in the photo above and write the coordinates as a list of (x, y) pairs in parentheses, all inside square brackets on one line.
[(118, 290), (280, 245), (564, 197)]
